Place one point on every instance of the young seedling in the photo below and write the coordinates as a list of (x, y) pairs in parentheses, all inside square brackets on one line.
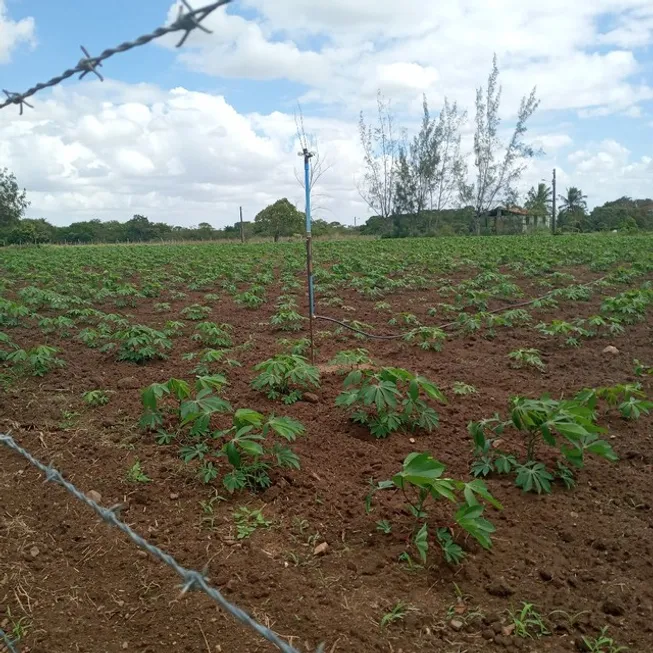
[(422, 484), (95, 398), (396, 613), (247, 521), (461, 388), (529, 357), (602, 643), (135, 473), (196, 312), (527, 622)]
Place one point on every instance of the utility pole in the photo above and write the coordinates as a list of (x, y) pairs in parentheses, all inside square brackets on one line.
[(309, 246), (242, 227), (553, 207)]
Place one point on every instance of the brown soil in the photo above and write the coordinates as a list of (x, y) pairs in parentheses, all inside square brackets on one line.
[(583, 557)]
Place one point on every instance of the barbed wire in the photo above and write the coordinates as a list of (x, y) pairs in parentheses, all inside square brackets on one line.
[(192, 579), (186, 22), (6, 643)]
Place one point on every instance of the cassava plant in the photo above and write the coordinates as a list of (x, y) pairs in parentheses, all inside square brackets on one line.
[(424, 487), (568, 426), (286, 377), (390, 399)]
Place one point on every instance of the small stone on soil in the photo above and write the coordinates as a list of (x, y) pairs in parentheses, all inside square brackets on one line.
[(610, 350), (174, 496), (320, 549), (94, 495), (311, 398), (34, 552), (456, 624)]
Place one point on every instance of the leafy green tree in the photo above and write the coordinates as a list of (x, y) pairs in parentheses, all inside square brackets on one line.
[(30, 232), (13, 201), (279, 219), (620, 213)]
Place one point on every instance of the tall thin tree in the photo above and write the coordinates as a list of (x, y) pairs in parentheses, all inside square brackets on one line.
[(497, 173), (380, 155)]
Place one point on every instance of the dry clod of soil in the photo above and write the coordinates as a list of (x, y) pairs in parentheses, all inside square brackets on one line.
[(311, 398), (499, 588), (128, 383), (611, 350), (613, 606)]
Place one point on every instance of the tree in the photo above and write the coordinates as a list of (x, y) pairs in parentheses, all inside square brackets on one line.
[(498, 167), (318, 163), (30, 232), (279, 219), (380, 154), (450, 173), (539, 202), (13, 201), (573, 210), (612, 215)]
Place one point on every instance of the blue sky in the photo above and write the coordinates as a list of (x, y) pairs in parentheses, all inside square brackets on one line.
[(592, 65)]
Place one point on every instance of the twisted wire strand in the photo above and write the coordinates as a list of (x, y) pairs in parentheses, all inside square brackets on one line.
[(7, 643), (187, 21), (192, 579)]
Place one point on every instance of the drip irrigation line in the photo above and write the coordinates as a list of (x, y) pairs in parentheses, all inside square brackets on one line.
[(398, 336)]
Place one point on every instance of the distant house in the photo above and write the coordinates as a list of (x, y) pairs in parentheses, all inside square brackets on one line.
[(513, 219)]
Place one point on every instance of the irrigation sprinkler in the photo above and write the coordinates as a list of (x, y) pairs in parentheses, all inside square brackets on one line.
[(309, 245)]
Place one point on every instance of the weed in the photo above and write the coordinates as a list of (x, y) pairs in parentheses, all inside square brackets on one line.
[(602, 643), (95, 398), (528, 622), (247, 521), (396, 613), (135, 473), (460, 388)]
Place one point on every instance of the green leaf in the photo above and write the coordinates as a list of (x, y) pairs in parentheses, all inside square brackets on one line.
[(286, 427), (603, 449), (478, 487), (233, 454), (533, 476), (470, 519), (419, 469), (353, 378), (432, 391), (250, 448), (245, 416), (421, 542)]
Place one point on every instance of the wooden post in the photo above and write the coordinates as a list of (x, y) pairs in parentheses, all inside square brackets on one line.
[(242, 227)]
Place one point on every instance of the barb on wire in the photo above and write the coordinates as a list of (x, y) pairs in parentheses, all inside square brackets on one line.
[(9, 643), (193, 580), (188, 20)]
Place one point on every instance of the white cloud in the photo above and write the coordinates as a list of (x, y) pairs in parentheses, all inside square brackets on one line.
[(182, 157), (437, 48), (13, 33)]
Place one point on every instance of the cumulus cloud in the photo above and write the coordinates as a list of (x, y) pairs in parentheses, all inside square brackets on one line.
[(13, 33), (181, 157)]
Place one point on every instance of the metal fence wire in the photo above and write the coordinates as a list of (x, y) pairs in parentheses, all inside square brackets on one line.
[(188, 20), (193, 580)]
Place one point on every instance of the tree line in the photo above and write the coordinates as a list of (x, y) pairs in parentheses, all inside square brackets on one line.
[(280, 219), (423, 186)]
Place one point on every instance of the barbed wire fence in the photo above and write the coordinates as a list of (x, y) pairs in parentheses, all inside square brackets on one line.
[(188, 20), (193, 580)]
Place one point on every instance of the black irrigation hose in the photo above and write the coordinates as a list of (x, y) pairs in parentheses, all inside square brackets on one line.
[(449, 324)]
